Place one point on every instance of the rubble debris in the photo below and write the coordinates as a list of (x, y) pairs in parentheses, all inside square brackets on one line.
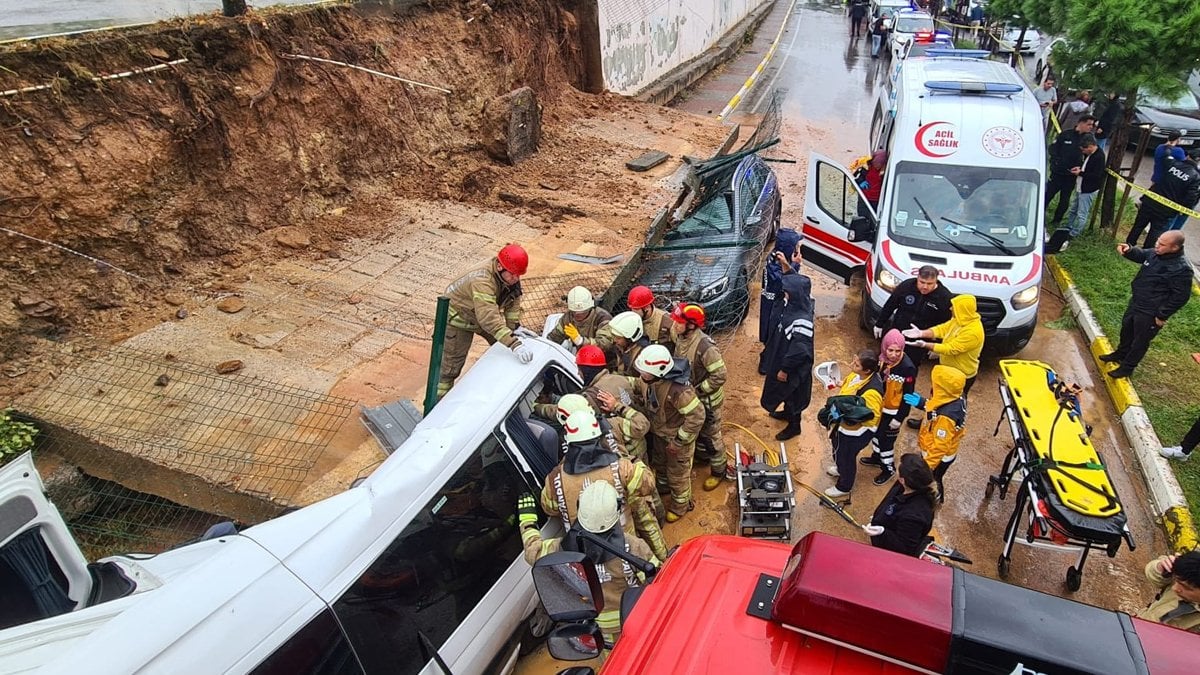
[(511, 126)]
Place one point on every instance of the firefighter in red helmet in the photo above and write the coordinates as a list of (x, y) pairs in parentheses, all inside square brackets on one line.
[(486, 302)]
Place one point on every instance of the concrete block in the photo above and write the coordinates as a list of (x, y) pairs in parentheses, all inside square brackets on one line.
[(647, 160)]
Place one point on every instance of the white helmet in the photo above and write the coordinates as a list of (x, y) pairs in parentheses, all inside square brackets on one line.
[(570, 403), (628, 325), (581, 426), (654, 360), (599, 509), (579, 299)]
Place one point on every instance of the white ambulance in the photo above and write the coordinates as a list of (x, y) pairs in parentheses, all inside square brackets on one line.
[(962, 191)]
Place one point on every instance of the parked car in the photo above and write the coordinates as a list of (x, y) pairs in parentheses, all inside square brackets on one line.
[(1010, 35), (909, 26), (711, 256)]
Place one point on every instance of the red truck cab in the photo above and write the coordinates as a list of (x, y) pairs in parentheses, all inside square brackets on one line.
[(845, 608)]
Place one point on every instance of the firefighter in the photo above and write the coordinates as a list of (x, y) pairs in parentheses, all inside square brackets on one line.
[(612, 396), (599, 512), (676, 418), (590, 458), (655, 322), (583, 323), (487, 302), (628, 341), (708, 379)]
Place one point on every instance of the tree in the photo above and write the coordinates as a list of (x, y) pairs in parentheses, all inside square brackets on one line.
[(1131, 47)]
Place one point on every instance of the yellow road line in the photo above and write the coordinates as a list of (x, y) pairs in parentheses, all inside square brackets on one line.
[(737, 98)]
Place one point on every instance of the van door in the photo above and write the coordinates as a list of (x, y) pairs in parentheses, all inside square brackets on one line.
[(43, 573), (839, 223)]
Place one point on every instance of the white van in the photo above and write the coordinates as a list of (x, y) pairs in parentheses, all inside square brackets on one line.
[(962, 192), (425, 551)]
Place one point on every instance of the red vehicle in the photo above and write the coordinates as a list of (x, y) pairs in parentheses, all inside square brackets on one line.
[(847, 608)]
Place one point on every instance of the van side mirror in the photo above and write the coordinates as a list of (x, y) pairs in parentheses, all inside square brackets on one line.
[(575, 641), (568, 586), (861, 229), (576, 670)]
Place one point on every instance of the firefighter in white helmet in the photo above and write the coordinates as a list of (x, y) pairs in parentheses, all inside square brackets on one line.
[(676, 418), (628, 341), (589, 458), (583, 321), (599, 512)]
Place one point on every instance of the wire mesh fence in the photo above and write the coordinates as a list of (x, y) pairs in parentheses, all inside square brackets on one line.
[(159, 443)]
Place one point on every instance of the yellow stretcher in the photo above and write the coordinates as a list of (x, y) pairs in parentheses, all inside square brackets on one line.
[(1065, 492)]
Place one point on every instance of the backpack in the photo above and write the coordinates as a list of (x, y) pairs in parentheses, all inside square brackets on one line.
[(850, 408)]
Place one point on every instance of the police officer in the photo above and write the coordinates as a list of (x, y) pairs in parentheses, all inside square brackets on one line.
[(583, 321), (920, 301), (486, 302), (708, 379), (676, 418)]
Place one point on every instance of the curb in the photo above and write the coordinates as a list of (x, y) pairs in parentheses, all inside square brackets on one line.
[(762, 65), (672, 83), (1165, 494)]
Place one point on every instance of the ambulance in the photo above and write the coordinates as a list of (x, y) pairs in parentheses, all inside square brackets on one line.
[(962, 191)]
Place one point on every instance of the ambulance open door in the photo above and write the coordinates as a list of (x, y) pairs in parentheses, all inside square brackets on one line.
[(839, 224)]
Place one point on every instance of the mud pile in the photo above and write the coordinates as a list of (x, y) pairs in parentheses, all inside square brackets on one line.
[(232, 152)]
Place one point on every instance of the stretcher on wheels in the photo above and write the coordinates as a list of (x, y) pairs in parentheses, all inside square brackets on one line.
[(1064, 498)]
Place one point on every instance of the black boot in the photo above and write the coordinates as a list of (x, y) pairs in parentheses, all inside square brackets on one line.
[(792, 430)]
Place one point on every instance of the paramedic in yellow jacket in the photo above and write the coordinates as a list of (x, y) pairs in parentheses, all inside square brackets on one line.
[(708, 379), (848, 438), (599, 514), (944, 422), (961, 338), (588, 459), (676, 418), (486, 302)]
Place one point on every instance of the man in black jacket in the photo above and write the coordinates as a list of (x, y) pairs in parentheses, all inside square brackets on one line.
[(1180, 183), (1091, 177), (1161, 288), (923, 302), (1065, 161)]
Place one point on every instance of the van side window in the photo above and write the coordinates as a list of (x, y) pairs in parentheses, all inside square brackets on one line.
[(438, 568), (319, 648)]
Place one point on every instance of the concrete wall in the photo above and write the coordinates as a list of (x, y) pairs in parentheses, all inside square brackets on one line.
[(641, 40)]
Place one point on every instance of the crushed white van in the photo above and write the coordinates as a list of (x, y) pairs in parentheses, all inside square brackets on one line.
[(422, 556), (962, 192)]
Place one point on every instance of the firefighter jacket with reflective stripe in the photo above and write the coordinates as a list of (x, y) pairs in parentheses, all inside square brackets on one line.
[(658, 329), (675, 411), (1167, 608), (482, 303), (629, 425), (591, 329), (708, 368), (628, 356), (636, 481)]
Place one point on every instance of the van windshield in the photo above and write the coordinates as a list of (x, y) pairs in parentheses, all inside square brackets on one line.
[(964, 209)]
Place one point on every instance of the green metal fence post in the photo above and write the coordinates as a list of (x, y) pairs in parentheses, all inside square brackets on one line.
[(435, 352)]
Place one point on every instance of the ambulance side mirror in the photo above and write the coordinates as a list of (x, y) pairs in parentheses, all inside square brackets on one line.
[(861, 229), (568, 586)]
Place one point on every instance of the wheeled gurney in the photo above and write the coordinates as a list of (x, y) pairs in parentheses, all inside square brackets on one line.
[(1064, 500)]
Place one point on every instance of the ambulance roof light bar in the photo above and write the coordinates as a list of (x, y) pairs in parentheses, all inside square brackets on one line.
[(967, 87), (962, 53)]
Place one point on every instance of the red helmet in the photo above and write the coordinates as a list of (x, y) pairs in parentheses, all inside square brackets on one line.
[(639, 297), (513, 259), (689, 313), (590, 355)]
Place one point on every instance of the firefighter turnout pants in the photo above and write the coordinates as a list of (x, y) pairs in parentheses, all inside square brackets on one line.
[(677, 467), (457, 345)]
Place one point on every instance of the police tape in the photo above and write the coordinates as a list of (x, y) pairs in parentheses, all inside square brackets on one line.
[(1156, 197)]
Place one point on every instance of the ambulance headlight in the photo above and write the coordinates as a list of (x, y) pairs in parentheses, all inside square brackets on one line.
[(1025, 298), (885, 279)]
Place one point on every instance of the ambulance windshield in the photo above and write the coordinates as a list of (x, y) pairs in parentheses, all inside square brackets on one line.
[(964, 209)]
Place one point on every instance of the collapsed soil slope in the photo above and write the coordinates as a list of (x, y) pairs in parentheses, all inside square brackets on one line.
[(172, 174)]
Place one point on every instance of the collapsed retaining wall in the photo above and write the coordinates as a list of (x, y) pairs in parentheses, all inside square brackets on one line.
[(642, 40)]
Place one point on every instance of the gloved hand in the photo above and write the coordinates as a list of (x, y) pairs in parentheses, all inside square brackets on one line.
[(914, 399), (894, 425), (878, 332), (524, 354), (527, 513), (933, 356), (918, 343), (873, 530), (572, 333), (912, 332)]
